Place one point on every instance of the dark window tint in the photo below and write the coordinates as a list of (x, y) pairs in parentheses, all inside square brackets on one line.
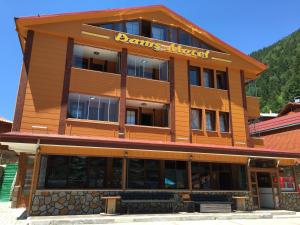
[(184, 38), (224, 121), (176, 175), (146, 28), (221, 80), (159, 32), (210, 120), (194, 76), (208, 78)]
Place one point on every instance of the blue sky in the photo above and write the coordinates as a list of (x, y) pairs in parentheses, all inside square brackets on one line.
[(247, 25)]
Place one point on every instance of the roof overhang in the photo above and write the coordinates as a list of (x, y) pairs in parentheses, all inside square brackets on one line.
[(26, 142)]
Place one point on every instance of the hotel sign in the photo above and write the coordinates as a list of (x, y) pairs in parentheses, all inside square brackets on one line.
[(156, 46)]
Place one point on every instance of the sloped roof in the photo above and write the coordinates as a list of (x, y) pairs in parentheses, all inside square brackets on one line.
[(289, 107), (56, 18), (276, 123), (4, 120)]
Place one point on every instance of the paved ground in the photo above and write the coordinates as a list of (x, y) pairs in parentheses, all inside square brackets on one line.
[(9, 216)]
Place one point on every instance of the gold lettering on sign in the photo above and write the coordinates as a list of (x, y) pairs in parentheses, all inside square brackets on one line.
[(174, 48)]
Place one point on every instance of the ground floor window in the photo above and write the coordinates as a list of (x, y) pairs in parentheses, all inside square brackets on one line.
[(156, 174), (76, 172), (218, 176), (287, 179)]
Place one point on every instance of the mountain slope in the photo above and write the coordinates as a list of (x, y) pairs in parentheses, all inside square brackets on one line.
[(281, 82)]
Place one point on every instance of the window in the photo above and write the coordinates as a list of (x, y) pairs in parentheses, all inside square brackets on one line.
[(194, 76), (222, 80), (218, 176), (173, 34), (147, 68), (133, 27), (76, 172), (93, 107), (210, 120), (86, 57), (159, 32), (224, 121), (146, 28), (176, 175), (196, 119), (131, 116), (144, 174), (208, 78), (184, 38), (287, 179)]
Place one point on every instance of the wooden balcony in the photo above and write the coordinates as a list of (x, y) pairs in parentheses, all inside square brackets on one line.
[(150, 133)]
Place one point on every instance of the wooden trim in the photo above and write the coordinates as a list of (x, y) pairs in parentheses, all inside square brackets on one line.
[(189, 99), (172, 98), (230, 110), (66, 87), (124, 170), (242, 75), (122, 110), (35, 176), (23, 82), (190, 181), (20, 180)]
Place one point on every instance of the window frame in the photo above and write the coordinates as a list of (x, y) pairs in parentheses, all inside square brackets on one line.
[(200, 124), (226, 122), (212, 78), (212, 120), (198, 74)]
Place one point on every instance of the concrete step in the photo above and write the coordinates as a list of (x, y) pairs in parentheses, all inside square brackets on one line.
[(116, 219), (276, 212)]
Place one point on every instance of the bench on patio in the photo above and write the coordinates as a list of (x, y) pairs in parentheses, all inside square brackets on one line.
[(128, 198), (212, 203)]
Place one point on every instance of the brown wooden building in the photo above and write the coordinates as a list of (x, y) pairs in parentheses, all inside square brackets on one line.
[(136, 100)]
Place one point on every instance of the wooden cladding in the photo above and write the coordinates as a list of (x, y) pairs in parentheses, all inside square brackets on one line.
[(66, 87), (23, 82), (123, 69)]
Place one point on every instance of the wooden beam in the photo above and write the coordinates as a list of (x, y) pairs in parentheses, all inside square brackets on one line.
[(229, 104), (35, 176), (124, 171), (242, 75), (172, 98), (23, 82), (123, 93), (66, 87)]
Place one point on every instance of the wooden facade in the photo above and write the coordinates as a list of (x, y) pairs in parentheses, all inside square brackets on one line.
[(47, 83)]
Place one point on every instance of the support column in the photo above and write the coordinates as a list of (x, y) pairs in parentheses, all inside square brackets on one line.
[(124, 173), (23, 82), (245, 107), (35, 176), (172, 99), (229, 104), (122, 110), (66, 87)]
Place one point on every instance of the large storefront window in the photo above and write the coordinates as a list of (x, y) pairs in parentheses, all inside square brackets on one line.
[(97, 59), (176, 175), (218, 176), (286, 179), (74, 172), (147, 68), (93, 107)]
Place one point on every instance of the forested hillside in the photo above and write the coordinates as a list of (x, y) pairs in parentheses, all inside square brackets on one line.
[(281, 82)]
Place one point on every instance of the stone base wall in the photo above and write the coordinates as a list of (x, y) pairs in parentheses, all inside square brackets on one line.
[(60, 202), (290, 201)]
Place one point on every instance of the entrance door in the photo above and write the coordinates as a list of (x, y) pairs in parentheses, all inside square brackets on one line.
[(264, 189)]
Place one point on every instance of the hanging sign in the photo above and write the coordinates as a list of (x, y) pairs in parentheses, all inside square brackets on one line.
[(156, 46)]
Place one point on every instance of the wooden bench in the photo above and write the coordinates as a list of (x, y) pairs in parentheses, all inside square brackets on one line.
[(150, 197), (212, 203)]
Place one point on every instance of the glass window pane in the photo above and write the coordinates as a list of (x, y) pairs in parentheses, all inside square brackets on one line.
[(97, 59), (83, 105), (224, 122), (159, 32), (184, 38), (208, 78), (210, 120), (173, 34), (130, 117), (133, 27), (56, 172), (93, 108), (77, 172), (103, 110), (194, 76), (114, 110), (107, 26), (118, 26), (195, 119), (96, 170), (135, 178), (73, 105), (221, 80)]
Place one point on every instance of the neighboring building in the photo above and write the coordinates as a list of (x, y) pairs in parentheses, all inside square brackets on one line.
[(135, 100), (283, 133), (6, 156), (267, 116)]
